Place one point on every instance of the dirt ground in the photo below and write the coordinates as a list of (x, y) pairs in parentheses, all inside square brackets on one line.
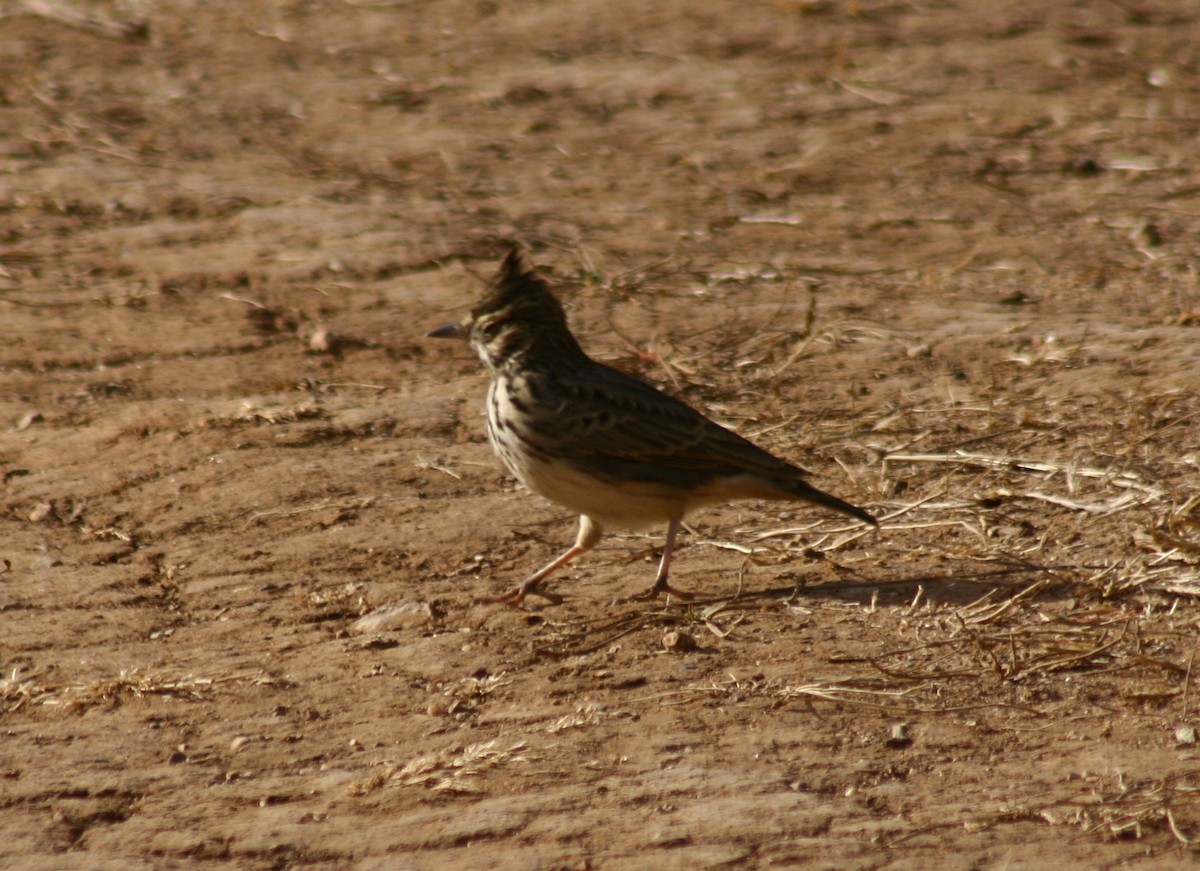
[(942, 254)]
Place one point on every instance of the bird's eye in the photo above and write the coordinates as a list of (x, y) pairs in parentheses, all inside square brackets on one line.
[(491, 329)]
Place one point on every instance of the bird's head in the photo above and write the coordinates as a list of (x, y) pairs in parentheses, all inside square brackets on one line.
[(517, 315)]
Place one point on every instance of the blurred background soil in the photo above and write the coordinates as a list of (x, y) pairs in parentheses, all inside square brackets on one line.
[(942, 254)]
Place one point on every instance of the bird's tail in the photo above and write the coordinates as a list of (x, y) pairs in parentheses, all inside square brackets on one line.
[(801, 489)]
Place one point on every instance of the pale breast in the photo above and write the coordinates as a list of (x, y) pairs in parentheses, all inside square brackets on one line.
[(525, 441)]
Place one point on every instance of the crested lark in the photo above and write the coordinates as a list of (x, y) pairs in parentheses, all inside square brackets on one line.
[(600, 442)]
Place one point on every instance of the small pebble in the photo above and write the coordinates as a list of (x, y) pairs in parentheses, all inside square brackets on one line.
[(900, 736), (679, 642), (407, 615), (324, 341), (41, 511), (243, 740)]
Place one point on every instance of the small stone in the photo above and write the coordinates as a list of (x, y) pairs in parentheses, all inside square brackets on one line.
[(1185, 735), (41, 511), (679, 642), (394, 617), (27, 420), (323, 341), (900, 736)]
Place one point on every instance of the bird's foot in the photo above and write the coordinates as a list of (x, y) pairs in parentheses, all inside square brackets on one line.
[(660, 588), (516, 596)]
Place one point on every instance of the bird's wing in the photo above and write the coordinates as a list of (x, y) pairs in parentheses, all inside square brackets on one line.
[(607, 423), (612, 420)]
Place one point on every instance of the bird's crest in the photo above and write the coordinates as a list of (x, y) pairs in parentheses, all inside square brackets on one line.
[(518, 316), (518, 289)]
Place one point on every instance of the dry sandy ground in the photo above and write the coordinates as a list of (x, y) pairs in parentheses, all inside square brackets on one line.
[(944, 254)]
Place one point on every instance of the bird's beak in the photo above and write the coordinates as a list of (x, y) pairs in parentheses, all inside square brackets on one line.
[(449, 331)]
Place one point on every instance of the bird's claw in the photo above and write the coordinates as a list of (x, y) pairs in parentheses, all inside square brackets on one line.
[(516, 597), (661, 587)]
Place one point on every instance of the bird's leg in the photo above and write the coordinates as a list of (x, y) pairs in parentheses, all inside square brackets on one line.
[(589, 536), (664, 566)]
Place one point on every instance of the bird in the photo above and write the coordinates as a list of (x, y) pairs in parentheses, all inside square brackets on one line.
[(610, 447)]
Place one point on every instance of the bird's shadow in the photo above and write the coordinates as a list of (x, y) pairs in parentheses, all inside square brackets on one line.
[(955, 589)]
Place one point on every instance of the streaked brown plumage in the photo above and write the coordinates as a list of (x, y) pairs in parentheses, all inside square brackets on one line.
[(600, 442)]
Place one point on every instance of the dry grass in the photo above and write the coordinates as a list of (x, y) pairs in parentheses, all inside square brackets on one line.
[(18, 691), (1112, 808), (455, 769)]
